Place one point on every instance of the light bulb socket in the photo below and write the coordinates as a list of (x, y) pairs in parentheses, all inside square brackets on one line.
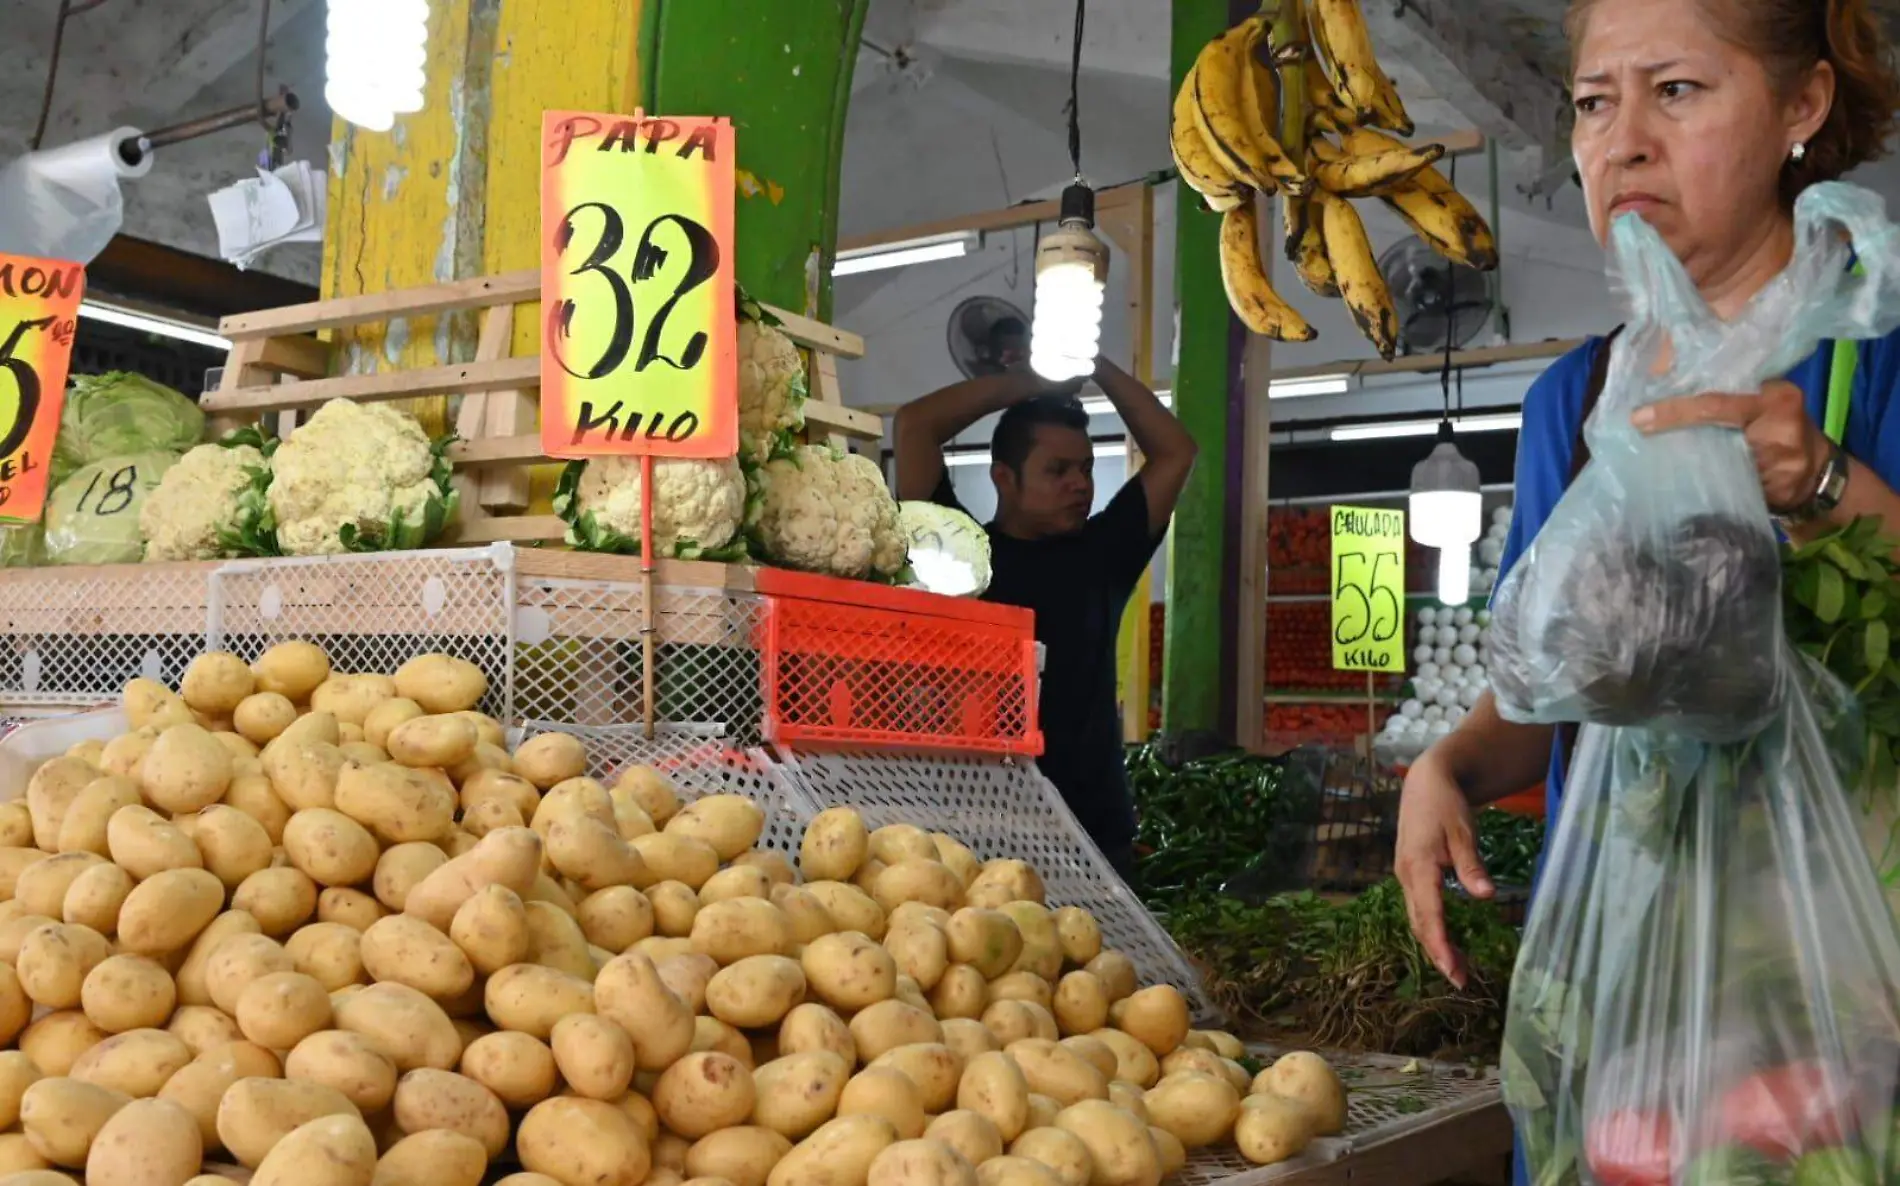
[(1078, 204)]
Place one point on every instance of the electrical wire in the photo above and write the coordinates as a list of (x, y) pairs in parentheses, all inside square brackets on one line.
[(1074, 109), (67, 9), (1451, 318), (263, 40)]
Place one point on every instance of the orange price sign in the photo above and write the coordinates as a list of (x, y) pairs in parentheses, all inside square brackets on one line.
[(639, 343), (39, 311)]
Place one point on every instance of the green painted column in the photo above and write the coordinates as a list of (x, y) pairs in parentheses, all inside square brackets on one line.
[(782, 71), (1191, 681)]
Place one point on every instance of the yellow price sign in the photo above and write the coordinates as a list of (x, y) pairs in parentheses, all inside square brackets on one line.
[(1368, 589), (39, 311), (639, 344)]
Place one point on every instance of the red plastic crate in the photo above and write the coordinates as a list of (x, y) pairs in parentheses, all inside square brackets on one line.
[(852, 663)]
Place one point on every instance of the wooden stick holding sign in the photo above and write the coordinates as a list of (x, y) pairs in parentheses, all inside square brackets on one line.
[(39, 312), (1368, 595), (639, 349)]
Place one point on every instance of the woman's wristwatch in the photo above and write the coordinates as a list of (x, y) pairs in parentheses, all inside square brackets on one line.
[(1829, 489)]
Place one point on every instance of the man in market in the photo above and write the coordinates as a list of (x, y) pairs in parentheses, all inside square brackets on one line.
[(1049, 555)]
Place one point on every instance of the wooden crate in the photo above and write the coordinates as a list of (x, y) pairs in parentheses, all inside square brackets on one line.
[(278, 365)]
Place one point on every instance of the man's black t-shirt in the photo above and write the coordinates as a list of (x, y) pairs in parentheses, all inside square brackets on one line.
[(1077, 585)]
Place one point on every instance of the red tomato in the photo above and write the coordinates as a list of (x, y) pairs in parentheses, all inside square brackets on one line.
[(1786, 1111), (1631, 1147)]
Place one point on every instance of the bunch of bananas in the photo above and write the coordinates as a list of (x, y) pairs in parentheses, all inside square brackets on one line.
[(1234, 131)]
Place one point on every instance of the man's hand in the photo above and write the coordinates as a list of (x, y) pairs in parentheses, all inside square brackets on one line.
[(922, 426)]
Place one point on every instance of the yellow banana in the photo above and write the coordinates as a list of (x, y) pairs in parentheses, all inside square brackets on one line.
[(1259, 308), (1306, 247), (1243, 147), (1323, 105), (1448, 222), (1364, 289), (1197, 166), (1355, 65), (1375, 173), (1439, 214)]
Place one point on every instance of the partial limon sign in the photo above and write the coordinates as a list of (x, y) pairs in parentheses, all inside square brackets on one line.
[(1368, 589), (639, 342), (39, 313)]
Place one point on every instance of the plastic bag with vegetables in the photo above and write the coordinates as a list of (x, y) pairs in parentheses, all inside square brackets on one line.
[(1708, 989), (1651, 594), (120, 414)]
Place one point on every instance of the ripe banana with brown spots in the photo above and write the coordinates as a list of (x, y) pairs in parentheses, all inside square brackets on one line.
[(1360, 283), (1194, 161), (1250, 294), (1323, 107), (1339, 27), (1353, 176), (1439, 214), (1238, 139), (1306, 246)]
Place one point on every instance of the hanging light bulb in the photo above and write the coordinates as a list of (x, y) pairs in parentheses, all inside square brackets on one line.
[(376, 52), (1446, 511), (1454, 574), (1071, 265)]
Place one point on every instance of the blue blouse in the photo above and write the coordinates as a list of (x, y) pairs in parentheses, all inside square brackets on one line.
[(1553, 408)]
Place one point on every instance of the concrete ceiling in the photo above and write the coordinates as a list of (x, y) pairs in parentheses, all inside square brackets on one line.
[(1490, 64)]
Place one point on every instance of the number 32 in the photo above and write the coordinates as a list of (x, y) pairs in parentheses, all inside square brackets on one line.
[(648, 258)]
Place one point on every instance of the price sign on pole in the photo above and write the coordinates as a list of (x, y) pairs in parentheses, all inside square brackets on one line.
[(639, 337), (39, 311), (1368, 585)]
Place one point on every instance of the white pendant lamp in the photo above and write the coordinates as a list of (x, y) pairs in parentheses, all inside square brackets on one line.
[(1065, 334), (1446, 511), (1071, 264)]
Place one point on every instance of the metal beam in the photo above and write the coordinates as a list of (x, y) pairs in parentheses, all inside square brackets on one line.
[(1469, 62)]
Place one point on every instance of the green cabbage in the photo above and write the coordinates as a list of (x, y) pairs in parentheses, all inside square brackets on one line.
[(93, 516), (22, 545), (117, 415), (949, 551)]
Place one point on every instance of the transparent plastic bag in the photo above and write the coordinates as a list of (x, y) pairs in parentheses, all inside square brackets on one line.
[(1652, 594), (1708, 990)]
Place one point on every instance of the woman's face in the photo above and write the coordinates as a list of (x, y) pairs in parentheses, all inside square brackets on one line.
[(1683, 128)]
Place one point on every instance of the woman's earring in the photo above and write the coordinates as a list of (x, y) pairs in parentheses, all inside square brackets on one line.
[(1798, 153)]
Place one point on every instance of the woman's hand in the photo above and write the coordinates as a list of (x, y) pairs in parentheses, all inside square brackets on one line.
[(1790, 450), (1436, 833)]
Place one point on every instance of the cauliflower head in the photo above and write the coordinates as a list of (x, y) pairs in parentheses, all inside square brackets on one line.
[(772, 388), (698, 506), (201, 504), (359, 476), (830, 512)]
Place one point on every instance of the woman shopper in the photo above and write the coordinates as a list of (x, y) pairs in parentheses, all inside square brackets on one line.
[(1705, 118)]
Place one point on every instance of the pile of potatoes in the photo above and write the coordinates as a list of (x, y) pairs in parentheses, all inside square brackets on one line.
[(326, 928)]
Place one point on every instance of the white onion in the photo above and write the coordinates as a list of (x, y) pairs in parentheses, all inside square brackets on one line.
[(1448, 697), (1482, 617), (1428, 616), (1468, 634), (1466, 655), (1430, 671), (1434, 712), (1441, 655), (1424, 654), (1411, 710)]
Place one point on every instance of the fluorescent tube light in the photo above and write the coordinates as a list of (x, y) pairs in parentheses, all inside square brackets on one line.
[(981, 456), (1308, 385), (1424, 428), (164, 327), (1098, 405), (910, 251)]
